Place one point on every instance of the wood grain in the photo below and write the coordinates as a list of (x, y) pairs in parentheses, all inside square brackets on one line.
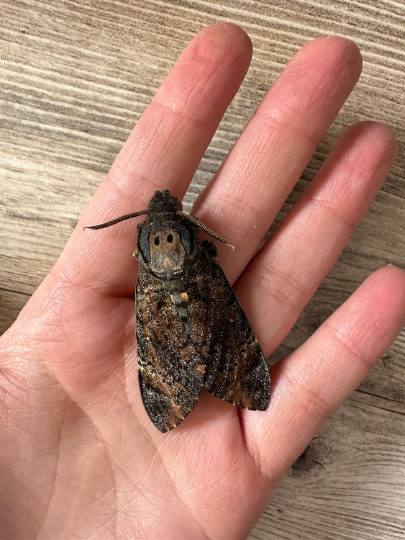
[(75, 78)]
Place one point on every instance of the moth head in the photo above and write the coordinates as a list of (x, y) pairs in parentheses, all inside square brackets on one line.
[(163, 202), (168, 237)]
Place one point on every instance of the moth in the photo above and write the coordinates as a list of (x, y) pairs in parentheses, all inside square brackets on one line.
[(191, 331)]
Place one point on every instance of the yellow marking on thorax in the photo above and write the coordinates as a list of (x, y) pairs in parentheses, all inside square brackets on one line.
[(201, 369), (182, 296)]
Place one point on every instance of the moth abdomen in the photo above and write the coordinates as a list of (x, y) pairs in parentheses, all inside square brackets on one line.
[(180, 301)]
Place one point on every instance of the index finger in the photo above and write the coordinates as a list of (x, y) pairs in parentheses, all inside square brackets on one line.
[(162, 152)]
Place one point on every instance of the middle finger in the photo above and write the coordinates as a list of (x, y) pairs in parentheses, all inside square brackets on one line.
[(276, 145)]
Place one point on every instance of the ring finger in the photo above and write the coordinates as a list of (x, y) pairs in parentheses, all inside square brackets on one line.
[(283, 276)]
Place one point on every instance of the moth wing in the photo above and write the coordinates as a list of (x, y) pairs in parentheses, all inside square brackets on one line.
[(237, 371), (171, 371)]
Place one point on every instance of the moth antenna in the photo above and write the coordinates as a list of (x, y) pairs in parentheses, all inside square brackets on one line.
[(117, 220), (197, 222)]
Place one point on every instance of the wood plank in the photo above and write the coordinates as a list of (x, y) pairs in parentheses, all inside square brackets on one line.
[(350, 481), (76, 76)]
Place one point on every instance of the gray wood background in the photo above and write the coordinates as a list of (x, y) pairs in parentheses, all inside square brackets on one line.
[(75, 77)]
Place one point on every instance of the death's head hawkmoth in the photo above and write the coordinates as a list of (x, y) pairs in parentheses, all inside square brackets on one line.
[(191, 331)]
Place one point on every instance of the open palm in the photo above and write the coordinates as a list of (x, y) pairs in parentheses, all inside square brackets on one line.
[(79, 456)]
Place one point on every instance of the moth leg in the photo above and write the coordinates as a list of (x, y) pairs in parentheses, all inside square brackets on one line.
[(211, 248)]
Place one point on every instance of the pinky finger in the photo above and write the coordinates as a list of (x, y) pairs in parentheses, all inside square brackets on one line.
[(312, 382)]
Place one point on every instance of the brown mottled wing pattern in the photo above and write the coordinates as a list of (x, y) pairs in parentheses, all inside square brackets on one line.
[(236, 367), (237, 371), (171, 371)]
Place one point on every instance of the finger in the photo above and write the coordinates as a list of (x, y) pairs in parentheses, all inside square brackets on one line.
[(276, 145), (284, 275), (312, 382), (162, 152)]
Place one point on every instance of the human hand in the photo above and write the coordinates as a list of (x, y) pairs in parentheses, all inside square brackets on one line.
[(80, 457)]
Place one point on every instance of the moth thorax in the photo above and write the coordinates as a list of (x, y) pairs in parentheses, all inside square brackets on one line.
[(167, 253)]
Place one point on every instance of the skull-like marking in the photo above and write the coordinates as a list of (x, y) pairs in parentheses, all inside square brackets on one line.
[(167, 253)]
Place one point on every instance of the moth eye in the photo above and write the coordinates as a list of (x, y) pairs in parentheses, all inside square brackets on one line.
[(170, 238), (157, 241)]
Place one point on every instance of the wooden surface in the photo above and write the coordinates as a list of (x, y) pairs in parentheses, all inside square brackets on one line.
[(75, 78)]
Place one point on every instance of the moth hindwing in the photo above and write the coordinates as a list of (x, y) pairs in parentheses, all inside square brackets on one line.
[(191, 331)]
